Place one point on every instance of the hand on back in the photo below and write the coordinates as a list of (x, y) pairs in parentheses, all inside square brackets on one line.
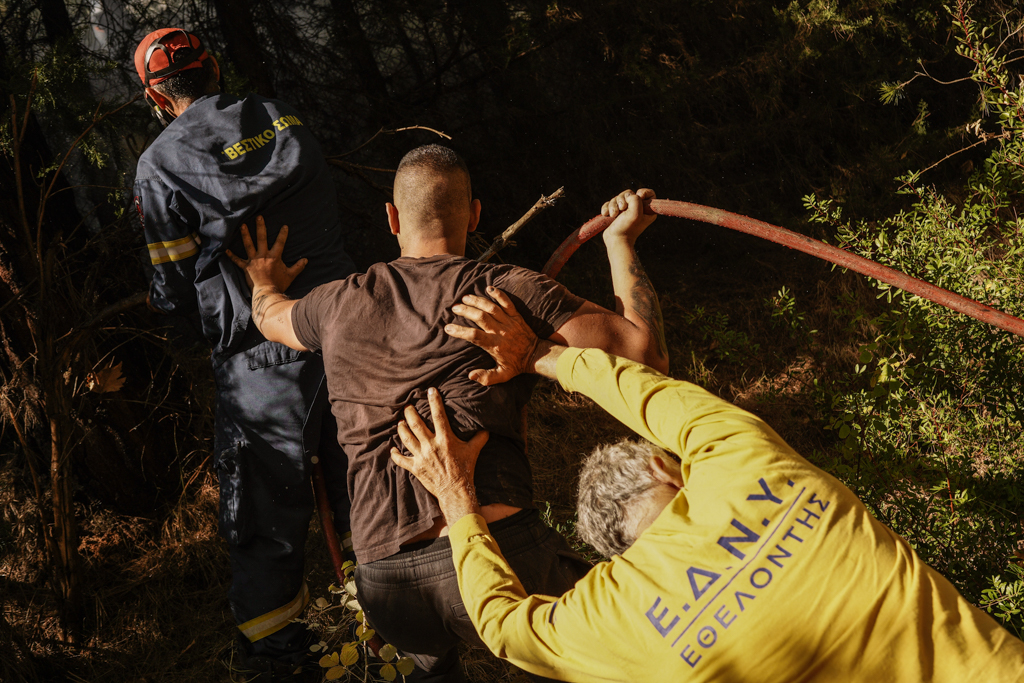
[(264, 266), (500, 331)]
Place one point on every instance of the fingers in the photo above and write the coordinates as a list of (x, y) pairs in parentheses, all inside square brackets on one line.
[(481, 303), (617, 204), (470, 312), (411, 443), (405, 462), (491, 377), (261, 235), (250, 248), (470, 334), (416, 425), (437, 415), (634, 205), (241, 263), (296, 268), (478, 440), (646, 194), (282, 237), (502, 298), (481, 310)]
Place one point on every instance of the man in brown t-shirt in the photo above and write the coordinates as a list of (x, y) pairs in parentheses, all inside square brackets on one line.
[(382, 336)]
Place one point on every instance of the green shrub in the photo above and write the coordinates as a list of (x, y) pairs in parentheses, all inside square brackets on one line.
[(928, 421)]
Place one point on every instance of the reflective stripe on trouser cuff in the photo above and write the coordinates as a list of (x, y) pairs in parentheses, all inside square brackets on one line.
[(176, 250), (272, 622)]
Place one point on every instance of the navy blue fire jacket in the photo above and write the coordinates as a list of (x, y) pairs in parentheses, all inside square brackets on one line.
[(220, 164)]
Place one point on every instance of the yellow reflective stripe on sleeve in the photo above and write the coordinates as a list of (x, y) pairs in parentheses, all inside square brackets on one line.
[(272, 622), (346, 541), (176, 250)]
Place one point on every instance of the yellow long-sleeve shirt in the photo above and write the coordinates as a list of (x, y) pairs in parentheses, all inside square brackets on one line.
[(763, 568)]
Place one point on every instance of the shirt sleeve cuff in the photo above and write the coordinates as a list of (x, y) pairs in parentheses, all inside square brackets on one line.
[(564, 367), (466, 528)]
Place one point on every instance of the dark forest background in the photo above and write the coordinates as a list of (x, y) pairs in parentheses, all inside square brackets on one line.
[(889, 128)]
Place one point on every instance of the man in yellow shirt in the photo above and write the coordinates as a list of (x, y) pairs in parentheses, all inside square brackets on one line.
[(740, 561)]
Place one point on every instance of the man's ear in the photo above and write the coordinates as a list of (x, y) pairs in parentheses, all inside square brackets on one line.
[(393, 223), (160, 99), (474, 215), (666, 470)]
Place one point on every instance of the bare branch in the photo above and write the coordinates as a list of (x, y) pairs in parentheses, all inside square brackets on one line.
[(126, 304), (503, 239), (959, 151), (388, 132)]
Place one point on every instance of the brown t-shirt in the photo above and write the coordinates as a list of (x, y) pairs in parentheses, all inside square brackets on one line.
[(383, 342)]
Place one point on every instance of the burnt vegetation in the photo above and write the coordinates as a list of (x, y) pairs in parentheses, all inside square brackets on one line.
[(891, 129)]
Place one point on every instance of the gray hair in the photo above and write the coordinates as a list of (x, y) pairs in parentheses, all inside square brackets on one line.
[(614, 478)]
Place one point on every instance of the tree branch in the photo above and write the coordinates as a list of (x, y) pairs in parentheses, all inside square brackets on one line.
[(503, 239), (126, 304)]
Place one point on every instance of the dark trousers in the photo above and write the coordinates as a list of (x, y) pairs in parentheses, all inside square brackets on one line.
[(412, 598), (272, 417)]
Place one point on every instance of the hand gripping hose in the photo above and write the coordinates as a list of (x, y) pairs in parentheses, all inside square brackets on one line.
[(788, 238)]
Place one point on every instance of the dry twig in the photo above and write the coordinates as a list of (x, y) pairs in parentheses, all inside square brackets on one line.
[(502, 240)]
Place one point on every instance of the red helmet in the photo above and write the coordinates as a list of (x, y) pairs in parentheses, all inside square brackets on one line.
[(166, 52)]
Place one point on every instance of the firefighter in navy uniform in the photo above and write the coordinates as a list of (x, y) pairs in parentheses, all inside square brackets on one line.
[(220, 162)]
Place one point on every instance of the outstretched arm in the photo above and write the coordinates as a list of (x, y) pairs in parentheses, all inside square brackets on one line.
[(635, 330), (269, 278)]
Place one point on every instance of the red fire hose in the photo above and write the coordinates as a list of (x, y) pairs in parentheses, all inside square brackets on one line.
[(788, 238)]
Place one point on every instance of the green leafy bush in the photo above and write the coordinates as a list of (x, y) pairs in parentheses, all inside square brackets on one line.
[(928, 422)]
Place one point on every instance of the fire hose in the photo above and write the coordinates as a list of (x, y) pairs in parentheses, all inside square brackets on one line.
[(808, 245), (750, 226)]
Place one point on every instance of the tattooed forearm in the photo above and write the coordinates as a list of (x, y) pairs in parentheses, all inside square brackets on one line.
[(263, 298), (645, 304)]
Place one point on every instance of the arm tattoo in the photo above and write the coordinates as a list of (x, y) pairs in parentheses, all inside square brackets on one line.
[(262, 299), (645, 303)]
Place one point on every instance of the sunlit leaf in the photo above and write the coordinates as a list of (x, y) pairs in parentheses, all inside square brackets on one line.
[(405, 666), (387, 652), (349, 654), (327, 661), (350, 586), (366, 635), (388, 673), (106, 380), (335, 673), (353, 605)]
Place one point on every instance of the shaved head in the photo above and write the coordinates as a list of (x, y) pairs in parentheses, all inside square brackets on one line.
[(432, 191)]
